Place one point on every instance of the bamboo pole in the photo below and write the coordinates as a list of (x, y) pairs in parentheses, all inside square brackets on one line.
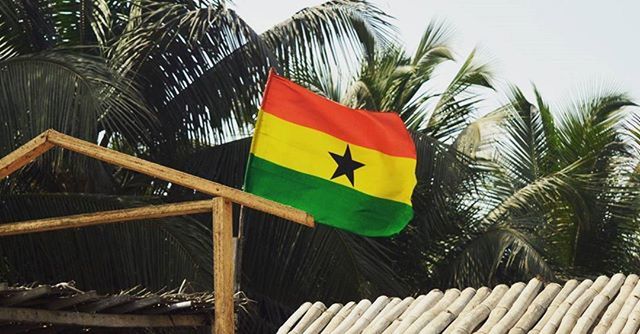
[(581, 304), (338, 318), (396, 322), (413, 305), (384, 313), (626, 309), (392, 328), (323, 319), (351, 319), (177, 177), (444, 318), (449, 296), (503, 306), (472, 319), (555, 320), (568, 287), (481, 294), (293, 319), (368, 316), (391, 312), (633, 323), (519, 307), (224, 322), (106, 217), (598, 304), (24, 154), (431, 299), (536, 309), (614, 308), (309, 317)]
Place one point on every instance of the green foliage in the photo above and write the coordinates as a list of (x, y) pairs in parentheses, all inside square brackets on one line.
[(527, 189), (106, 258)]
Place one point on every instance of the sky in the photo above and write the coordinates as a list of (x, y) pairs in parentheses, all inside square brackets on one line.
[(563, 47)]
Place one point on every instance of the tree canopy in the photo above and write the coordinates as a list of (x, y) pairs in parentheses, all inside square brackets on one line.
[(527, 189)]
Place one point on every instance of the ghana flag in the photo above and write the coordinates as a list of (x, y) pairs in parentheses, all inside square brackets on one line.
[(351, 169)]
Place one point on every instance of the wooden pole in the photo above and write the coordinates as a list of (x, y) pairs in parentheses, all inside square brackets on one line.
[(177, 177), (106, 217), (72, 318), (24, 154), (224, 313)]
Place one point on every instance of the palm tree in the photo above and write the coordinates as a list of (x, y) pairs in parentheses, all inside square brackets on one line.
[(168, 81), (557, 198), (529, 196)]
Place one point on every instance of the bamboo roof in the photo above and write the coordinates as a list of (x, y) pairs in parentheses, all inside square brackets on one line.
[(603, 305)]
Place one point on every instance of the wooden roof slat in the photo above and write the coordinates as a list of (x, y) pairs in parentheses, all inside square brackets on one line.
[(27, 316), (29, 329), (60, 304), (36, 310), (135, 305), (107, 303), (27, 295), (170, 308)]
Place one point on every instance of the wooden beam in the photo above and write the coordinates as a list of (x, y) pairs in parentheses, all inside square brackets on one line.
[(105, 217), (223, 266), (27, 295), (79, 298), (24, 154), (37, 316), (106, 303), (180, 178)]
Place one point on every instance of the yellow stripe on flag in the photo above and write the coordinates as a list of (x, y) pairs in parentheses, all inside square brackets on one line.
[(307, 150)]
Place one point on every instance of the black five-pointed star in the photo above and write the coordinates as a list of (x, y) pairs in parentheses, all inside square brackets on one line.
[(346, 165)]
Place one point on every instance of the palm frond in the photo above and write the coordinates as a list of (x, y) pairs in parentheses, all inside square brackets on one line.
[(590, 123), (176, 51), (498, 254), (315, 35), (153, 254), (26, 27), (433, 49), (72, 93), (457, 103)]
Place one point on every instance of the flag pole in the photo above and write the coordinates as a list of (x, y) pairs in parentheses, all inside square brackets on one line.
[(239, 247), (239, 250)]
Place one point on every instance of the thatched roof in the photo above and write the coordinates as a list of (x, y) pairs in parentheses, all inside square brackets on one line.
[(26, 309), (606, 305)]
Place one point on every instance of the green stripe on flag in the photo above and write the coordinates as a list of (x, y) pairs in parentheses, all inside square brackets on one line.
[(330, 203)]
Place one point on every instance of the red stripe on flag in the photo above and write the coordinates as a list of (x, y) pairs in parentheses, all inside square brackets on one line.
[(381, 131)]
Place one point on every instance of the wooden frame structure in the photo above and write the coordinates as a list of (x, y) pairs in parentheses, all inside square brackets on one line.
[(220, 207)]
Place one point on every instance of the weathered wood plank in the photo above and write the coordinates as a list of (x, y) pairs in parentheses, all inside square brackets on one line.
[(179, 178), (24, 154), (36, 316), (76, 299), (27, 329), (171, 308), (105, 217), (27, 295), (106, 303), (223, 266), (136, 305)]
